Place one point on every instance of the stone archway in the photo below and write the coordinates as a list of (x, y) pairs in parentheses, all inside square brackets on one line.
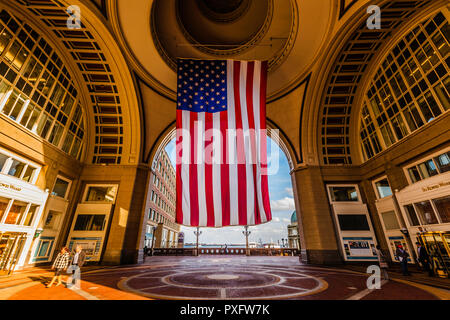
[(277, 137)]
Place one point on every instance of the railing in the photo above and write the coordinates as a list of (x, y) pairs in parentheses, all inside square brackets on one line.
[(228, 251), (173, 252)]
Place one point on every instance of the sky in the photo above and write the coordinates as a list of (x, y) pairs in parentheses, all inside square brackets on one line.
[(281, 201)]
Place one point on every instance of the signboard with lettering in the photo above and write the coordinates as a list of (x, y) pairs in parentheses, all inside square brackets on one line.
[(9, 186), (436, 186)]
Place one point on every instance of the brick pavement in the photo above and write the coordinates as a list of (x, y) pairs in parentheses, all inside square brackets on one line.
[(211, 277)]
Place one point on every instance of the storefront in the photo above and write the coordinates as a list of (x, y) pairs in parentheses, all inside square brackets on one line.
[(54, 214), (355, 231), (91, 220), (438, 246), (21, 207), (425, 205), (424, 209), (390, 219)]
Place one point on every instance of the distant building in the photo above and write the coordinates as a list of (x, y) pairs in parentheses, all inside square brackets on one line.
[(293, 236), (160, 206), (271, 245)]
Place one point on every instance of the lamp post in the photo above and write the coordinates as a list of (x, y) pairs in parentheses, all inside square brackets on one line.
[(246, 233), (153, 238), (197, 233), (282, 241)]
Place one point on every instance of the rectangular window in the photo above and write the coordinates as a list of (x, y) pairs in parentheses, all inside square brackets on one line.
[(68, 142), (75, 148), (390, 220), (343, 194), (3, 158), (101, 193), (10, 102), (16, 212), (55, 135), (90, 222), (414, 174), (383, 188), (427, 169), (52, 219), (30, 215), (426, 212), (44, 125), (29, 174), (34, 116), (3, 205), (443, 162), (5, 37), (353, 222), (443, 208), (412, 216), (387, 134), (60, 188), (16, 168), (4, 88), (43, 249)]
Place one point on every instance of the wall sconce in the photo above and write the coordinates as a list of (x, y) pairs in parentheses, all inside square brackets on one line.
[(38, 232)]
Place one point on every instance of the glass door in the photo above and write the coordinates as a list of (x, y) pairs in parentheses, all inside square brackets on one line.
[(438, 251), (11, 245), (443, 253)]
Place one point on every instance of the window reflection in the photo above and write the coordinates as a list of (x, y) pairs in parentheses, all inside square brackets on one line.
[(39, 81), (410, 89), (426, 212)]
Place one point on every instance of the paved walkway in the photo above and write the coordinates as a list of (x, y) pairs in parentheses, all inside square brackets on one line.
[(216, 277)]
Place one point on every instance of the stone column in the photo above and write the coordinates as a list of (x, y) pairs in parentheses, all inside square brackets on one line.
[(158, 235), (318, 237), (123, 237), (369, 197)]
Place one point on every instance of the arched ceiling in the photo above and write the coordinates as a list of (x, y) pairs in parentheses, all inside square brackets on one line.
[(110, 97), (350, 58), (275, 30), (126, 50)]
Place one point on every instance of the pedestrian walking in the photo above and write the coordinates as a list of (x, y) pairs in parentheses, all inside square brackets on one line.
[(424, 259), (76, 262), (382, 262), (402, 256), (59, 265)]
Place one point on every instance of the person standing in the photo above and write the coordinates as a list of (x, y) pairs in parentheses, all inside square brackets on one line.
[(382, 262), (61, 262), (424, 259), (79, 257), (402, 255)]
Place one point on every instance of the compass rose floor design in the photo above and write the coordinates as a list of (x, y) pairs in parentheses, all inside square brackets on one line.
[(243, 278), (216, 278)]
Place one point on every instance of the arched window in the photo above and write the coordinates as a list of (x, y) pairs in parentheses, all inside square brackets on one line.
[(36, 89), (410, 89)]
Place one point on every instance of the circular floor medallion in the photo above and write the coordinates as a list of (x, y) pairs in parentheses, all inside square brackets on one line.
[(222, 276)]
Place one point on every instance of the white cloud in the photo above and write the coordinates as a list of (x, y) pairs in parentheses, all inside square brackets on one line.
[(285, 204), (286, 220), (276, 219), (289, 191)]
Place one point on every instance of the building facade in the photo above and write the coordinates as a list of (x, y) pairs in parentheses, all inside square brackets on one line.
[(161, 229), (87, 103), (293, 235)]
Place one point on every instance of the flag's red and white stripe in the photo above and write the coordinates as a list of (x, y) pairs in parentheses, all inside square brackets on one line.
[(233, 189)]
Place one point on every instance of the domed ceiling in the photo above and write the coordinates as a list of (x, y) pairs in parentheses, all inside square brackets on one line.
[(287, 33)]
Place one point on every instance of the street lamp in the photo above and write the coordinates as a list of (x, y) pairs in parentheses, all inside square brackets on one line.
[(197, 233), (153, 238), (246, 233)]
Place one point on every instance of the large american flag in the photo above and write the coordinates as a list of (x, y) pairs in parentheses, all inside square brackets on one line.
[(221, 152)]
